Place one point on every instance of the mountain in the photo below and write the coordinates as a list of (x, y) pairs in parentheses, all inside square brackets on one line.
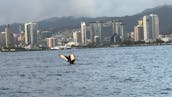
[(165, 15), (58, 24)]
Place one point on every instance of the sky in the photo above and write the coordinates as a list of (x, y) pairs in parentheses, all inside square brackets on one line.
[(20, 11)]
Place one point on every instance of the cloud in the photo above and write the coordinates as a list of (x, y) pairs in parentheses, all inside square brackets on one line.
[(34, 10)]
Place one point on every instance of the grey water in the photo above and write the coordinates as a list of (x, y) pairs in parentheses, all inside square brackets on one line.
[(98, 72)]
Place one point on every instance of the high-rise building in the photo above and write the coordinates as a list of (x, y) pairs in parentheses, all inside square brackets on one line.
[(97, 40), (96, 31), (15, 39), (83, 33), (9, 39), (118, 31), (107, 32), (51, 42), (31, 33), (77, 37), (92, 32), (151, 27), (138, 31), (2, 39), (21, 39)]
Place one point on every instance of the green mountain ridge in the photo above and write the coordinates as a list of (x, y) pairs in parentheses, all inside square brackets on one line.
[(59, 24)]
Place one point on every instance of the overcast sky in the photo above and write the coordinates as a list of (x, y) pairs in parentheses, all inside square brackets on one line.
[(34, 10)]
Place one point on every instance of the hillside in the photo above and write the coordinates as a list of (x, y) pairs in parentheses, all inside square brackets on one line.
[(57, 24)]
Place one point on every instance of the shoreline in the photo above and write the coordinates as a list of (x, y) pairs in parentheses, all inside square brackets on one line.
[(111, 46)]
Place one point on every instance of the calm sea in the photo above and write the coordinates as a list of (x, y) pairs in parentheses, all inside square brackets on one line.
[(101, 72)]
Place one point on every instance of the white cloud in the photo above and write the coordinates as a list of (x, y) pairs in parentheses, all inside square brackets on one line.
[(27, 10)]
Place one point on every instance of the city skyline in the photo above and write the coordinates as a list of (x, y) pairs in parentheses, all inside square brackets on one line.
[(35, 10), (90, 34)]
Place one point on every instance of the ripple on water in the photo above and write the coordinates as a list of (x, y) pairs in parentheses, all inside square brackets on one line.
[(123, 72)]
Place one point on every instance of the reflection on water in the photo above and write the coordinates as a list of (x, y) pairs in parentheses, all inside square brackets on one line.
[(103, 72)]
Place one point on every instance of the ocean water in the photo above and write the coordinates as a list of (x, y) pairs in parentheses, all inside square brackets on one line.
[(98, 72)]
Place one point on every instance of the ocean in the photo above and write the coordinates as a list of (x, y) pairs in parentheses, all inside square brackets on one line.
[(144, 71)]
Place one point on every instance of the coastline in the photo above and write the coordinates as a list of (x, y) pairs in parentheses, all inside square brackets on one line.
[(111, 46)]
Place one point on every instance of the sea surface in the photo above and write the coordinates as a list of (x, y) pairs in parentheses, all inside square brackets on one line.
[(144, 71)]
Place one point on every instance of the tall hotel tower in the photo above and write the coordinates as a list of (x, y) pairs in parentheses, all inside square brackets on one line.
[(138, 31), (30, 33), (83, 33), (151, 27), (77, 37), (118, 30), (9, 39), (96, 31)]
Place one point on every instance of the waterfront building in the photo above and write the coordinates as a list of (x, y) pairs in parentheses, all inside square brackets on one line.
[(77, 37), (107, 32), (96, 30), (2, 39), (51, 42), (118, 31), (151, 27), (131, 36), (39, 37), (138, 31), (21, 39), (31, 33), (9, 39), (97, 40), (15, 39), (166, 38), (92, 32), (83, 33)]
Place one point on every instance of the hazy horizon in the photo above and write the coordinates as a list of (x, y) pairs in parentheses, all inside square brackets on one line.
[(19, 11)]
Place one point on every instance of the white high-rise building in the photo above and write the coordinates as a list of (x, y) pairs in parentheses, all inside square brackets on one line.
[(77, 37), (31, 33), (151, 27), (118, 30), (83, 32)]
